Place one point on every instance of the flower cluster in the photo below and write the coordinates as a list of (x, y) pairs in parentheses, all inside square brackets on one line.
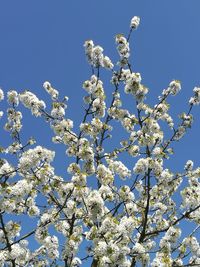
[(123, 49), (30, 101), (34, 158), (173, 89), (195, 100), (14, 124), (95, 56), (96, 96), (1, 94), (13, 98), (50, 90), (135, 21), (119, 168)]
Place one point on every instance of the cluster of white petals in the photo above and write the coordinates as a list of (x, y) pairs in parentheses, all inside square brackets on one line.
[(123, 49), (173, 89), (195, 100), (14, 124), (34, 157), (135, 21), (50, 90), (1, 94), (13, 98), (30, 100), (96, 96), (95, 56)]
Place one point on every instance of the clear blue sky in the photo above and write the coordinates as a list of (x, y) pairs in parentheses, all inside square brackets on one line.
[(43, 40)]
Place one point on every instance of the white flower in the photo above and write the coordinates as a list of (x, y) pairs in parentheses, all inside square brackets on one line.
[(76, 262), (195, 100), (166, 175), (13, 229), (17, 252), (134, 87), (157, 151), (58, 112), (127, 225), (45, 218), (89, 45), (174, 87), (123, 49), (106, 192), (95, 203), (179, 133), (7, 170), (33, 157), (95, 55), (13, 98), (133, 150), (3, 257), (50, 90), (135, 21), (33, 211), (29, 100), (1, 94), (21, 188), (107, 63), (141, 166), (104, 174), (131, 208), (46, 85), (51, 243), (138, 248), (79, 180), (178, 262), (101, 248), (119, 168), (126, 194), (189, 165)]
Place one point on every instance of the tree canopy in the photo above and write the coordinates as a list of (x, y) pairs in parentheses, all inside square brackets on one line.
[(103, 212)]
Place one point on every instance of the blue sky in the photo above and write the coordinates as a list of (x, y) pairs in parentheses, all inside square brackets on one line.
[(43, 40)]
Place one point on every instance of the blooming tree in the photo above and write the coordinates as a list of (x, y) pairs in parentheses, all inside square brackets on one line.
[(126, 216)]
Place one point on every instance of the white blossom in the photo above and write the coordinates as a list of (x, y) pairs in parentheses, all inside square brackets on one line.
[(1, 94), (189, 165), (141, 166), (13, 97), (50, 90), (29, 100), (135, 21)]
